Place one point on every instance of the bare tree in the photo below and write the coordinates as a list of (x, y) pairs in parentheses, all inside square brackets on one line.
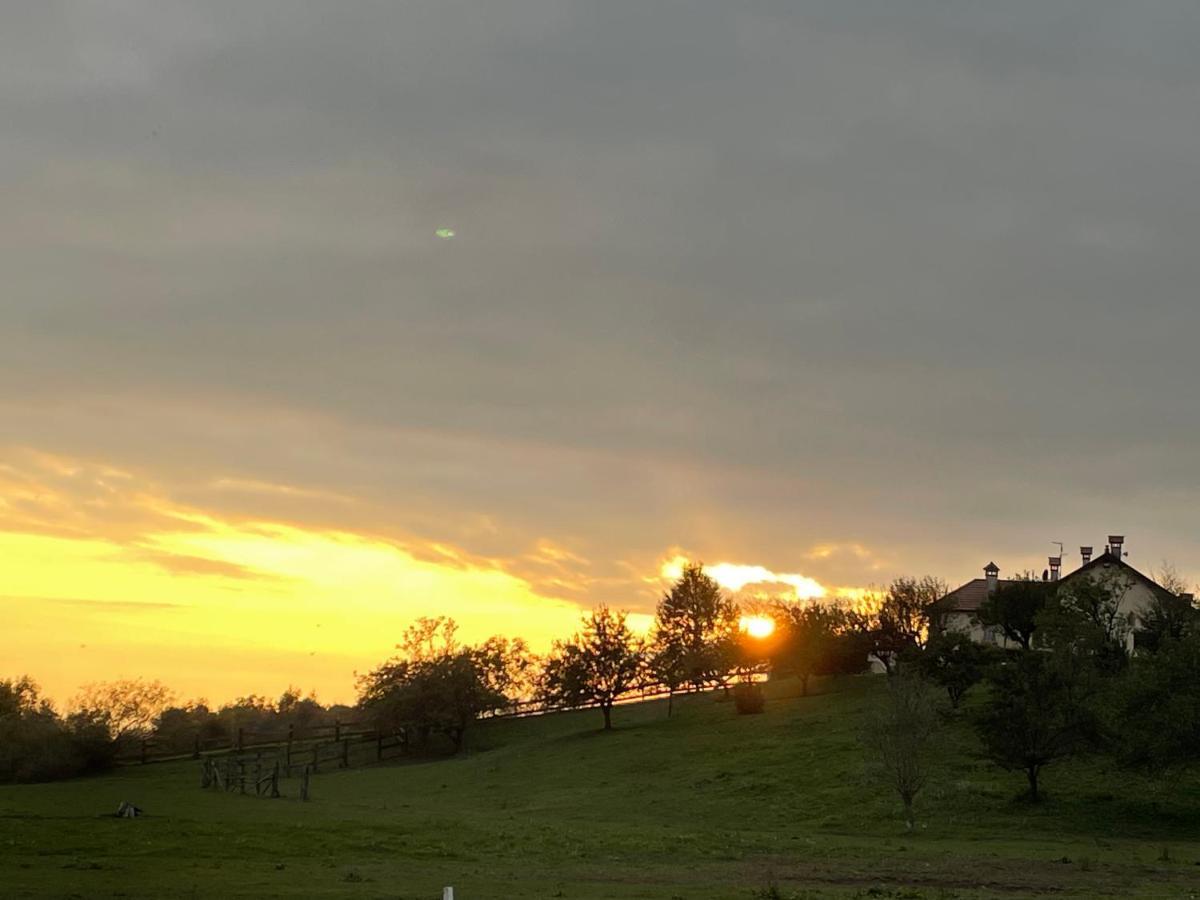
[(900, 734), (127, 708)]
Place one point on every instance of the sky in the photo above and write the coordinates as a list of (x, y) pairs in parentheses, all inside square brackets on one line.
[(818, 293)]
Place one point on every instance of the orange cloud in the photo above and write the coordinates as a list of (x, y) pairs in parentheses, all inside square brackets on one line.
[(141, 585)]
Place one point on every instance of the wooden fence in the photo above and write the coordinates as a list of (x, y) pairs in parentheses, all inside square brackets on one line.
[(260, 770), (150, 749), (324, 745)]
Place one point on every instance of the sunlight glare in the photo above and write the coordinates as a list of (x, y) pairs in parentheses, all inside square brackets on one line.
[(757, 626)]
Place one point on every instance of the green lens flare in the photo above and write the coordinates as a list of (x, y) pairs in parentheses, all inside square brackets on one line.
[(445, 233)]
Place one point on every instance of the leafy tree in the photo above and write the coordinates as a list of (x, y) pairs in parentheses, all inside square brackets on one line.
[(178, 727), (294, 709), (21, 697), (696, 628), (900, 735), (507, 668), (1038, 710), (599, 664), (953, 661), (1156, 713), (437, 686), (36, 744), (1013, 608), (906, 613), (809, 643)]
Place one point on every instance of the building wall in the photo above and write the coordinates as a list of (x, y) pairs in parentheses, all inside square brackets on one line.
[(965, 623), (1136, 599)]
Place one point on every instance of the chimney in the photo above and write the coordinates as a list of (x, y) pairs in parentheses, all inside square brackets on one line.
[(1115, 544), (1085, 553), (992, 573), (1055, 567)]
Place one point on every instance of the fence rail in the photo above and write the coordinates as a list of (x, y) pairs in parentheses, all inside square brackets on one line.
[(319, 745)]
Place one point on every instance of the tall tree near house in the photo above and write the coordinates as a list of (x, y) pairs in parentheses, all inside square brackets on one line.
[(1013, 608), (1086, 620), (1168, 616), (1039, 710), (903, 621), (596, 666), (696, 627), (900, 736)]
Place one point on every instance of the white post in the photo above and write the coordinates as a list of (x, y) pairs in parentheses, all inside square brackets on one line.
[(448, 893)]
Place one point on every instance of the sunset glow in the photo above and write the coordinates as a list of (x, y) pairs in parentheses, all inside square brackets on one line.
[(217, 607), (757, 626)]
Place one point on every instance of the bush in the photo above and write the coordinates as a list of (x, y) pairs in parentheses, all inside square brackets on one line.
[(38, 745), (749, 698)]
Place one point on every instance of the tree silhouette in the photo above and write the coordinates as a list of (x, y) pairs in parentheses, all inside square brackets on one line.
[(696, 629), (599, 664)]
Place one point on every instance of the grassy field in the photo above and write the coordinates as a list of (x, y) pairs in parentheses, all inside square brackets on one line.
[(705, 804)]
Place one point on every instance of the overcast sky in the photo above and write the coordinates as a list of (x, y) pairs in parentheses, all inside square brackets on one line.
[(840, 289)]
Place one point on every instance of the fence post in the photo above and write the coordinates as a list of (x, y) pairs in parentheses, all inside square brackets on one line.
[(345, 753), (275, 781), (304, 784), (337, 731), (241, 763)]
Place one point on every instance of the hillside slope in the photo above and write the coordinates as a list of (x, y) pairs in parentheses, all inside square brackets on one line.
[(705, 804)]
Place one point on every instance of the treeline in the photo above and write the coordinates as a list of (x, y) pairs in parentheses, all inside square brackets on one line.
[(111, 720), (1081, 676), (435, 686), (1069, 684)]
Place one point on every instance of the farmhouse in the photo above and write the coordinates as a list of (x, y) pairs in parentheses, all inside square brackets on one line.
[(1137, 590)]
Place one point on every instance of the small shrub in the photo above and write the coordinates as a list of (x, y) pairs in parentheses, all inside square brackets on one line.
[(749, 699)]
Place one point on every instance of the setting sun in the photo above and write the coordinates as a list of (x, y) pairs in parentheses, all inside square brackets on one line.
[(757, 626)]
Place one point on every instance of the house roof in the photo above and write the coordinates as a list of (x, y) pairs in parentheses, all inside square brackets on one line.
[(1107, 560), (970, 596)]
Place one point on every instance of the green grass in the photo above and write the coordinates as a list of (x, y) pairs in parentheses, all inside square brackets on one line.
[(705, 804)]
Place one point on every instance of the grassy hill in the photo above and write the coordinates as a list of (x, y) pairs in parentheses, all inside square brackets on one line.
[(705, 804)]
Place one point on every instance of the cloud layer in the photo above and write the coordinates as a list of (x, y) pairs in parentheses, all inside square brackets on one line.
[(909, 277)]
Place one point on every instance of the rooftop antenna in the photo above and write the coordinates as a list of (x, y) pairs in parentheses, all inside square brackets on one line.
[(1059, 545)]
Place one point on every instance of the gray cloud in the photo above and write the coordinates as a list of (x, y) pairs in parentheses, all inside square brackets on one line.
[(915, 275)]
